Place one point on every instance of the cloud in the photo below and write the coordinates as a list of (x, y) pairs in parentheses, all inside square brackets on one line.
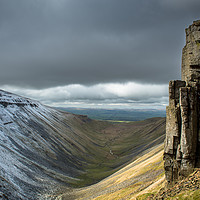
[(94, 52), (129, 94), (136, 91), (181, 4), (49, 43)]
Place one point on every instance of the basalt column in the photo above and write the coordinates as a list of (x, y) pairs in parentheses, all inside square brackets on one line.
[(182, 145)]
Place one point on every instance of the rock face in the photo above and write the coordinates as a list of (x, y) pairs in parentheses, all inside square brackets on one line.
[(182, 143)]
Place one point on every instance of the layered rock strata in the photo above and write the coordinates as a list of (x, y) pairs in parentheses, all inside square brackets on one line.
[(182, 143)]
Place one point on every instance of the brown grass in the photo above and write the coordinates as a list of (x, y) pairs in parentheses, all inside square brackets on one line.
[(141, 176)]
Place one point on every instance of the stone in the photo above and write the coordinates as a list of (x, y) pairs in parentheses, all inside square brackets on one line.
[(182, 143)]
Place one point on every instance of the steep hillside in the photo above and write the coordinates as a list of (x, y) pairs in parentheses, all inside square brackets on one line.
[(44, 150), (136, 180), (143, 179)]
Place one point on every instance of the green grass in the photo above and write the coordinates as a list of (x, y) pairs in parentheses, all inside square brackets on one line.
[(92, 176), (126, 140), (144, 196)]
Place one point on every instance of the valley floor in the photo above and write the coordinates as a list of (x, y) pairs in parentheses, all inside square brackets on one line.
[(141, 176), (143, 179)]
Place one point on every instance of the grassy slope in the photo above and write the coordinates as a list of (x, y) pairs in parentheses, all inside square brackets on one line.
[(127, 183), (115, 145), (140, 180)]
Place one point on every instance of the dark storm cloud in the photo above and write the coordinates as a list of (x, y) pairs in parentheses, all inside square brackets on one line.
[(47, 43)]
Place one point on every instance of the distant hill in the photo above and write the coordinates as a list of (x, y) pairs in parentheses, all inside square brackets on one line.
[(117, 114)]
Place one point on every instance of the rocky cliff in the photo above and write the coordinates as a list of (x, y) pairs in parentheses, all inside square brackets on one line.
[(182, 143)]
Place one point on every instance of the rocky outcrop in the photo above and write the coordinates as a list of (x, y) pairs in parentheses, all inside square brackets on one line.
[(189, 186), (182, 143)]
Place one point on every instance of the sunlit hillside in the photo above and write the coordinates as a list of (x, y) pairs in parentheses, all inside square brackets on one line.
[(144, 175)]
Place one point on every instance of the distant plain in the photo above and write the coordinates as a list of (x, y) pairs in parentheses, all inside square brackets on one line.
[(119, 115)]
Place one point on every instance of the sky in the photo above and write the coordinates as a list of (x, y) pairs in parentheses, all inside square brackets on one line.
[(93, 53)]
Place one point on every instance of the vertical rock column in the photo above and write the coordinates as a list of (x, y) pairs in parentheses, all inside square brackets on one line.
[(173, 131), (190, 70), (188, 105), (182, 143)]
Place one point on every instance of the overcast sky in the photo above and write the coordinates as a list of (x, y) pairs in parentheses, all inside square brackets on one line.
[(99, 53)]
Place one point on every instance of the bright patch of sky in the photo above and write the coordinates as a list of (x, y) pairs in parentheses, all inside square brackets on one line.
[(128, 95)]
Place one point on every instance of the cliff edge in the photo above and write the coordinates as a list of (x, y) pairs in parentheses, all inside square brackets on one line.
[(182, 143)]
